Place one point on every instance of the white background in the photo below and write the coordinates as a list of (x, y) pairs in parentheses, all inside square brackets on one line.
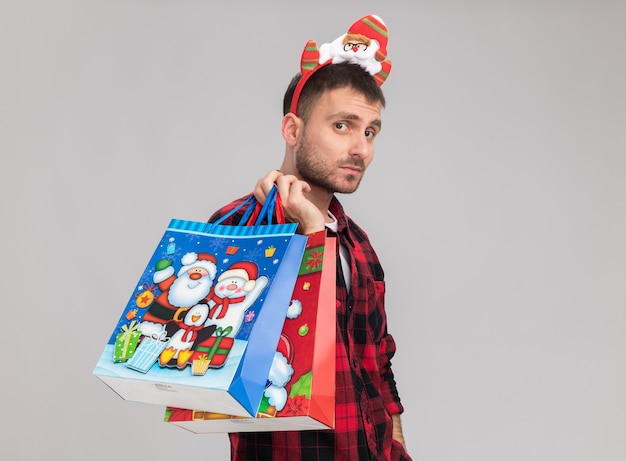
[(496, 203)]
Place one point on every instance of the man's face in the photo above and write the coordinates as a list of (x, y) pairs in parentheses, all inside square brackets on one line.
[(338, 141)]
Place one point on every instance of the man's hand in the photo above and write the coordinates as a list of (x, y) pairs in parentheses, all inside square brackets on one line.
[(397, 430), (296, 206)]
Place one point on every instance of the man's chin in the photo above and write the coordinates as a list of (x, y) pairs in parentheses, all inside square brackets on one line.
[(351, 185), (344, 185)]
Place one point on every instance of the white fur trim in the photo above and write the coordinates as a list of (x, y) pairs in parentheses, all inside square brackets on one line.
[(189, 258), (241, 273), (164, 274)]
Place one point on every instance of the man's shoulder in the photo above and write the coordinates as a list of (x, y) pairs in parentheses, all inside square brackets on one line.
[(229, 208), (337, 210)]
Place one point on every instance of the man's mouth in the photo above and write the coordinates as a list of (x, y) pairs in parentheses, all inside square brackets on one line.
[(353, 168)]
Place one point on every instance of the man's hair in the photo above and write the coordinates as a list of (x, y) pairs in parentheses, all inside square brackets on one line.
[(331, 77)]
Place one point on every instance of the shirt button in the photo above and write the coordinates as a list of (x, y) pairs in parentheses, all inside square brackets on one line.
[(368, 419), (355, 363)]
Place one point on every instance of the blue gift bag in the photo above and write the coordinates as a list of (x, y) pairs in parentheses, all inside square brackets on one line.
[(210, 306)]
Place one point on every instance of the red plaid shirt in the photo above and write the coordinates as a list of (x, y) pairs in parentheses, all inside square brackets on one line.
[(366, 394)]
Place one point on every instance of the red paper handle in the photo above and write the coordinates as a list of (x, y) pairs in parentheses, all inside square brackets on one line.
[(254, 215), (280, 213), (278, 208)]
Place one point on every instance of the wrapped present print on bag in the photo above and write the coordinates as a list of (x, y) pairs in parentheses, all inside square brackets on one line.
[(148, 352), (269, 251), (231, 250), (216, 348), (200, 365), (126, 342)]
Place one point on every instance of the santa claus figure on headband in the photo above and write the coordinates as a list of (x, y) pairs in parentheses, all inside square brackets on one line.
[(365, 43)]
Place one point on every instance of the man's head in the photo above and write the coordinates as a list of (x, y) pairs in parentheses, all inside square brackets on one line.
[(330, 77), (332, 108)]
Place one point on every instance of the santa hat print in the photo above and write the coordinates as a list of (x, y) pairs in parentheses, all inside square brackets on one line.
[(373, 28), (243, 269), (204, 260)]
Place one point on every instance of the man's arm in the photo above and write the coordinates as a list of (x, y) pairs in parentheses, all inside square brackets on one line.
[(389, 391)]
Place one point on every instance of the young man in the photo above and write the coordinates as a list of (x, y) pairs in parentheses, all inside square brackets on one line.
[(332, 115)]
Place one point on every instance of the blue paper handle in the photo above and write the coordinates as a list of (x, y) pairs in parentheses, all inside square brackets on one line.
[(268, 207), (247, 202), (249, 210), (267, 210)]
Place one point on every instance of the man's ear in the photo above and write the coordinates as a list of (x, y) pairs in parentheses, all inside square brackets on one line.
[(292, 128)]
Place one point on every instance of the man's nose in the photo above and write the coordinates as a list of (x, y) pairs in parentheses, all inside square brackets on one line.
[(360, 146)]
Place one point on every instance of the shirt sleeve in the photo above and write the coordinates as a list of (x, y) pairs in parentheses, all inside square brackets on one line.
[(388, 382), (232, 220)]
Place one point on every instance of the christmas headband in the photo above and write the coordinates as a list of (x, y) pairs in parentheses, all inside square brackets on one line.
[(365, 44)]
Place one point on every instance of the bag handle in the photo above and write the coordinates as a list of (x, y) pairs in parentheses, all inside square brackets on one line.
[(246, 202), (255, 212), (272, 204)]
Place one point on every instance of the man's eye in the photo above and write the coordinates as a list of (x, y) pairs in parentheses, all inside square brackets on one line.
[(340, 126), (370, 133)]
